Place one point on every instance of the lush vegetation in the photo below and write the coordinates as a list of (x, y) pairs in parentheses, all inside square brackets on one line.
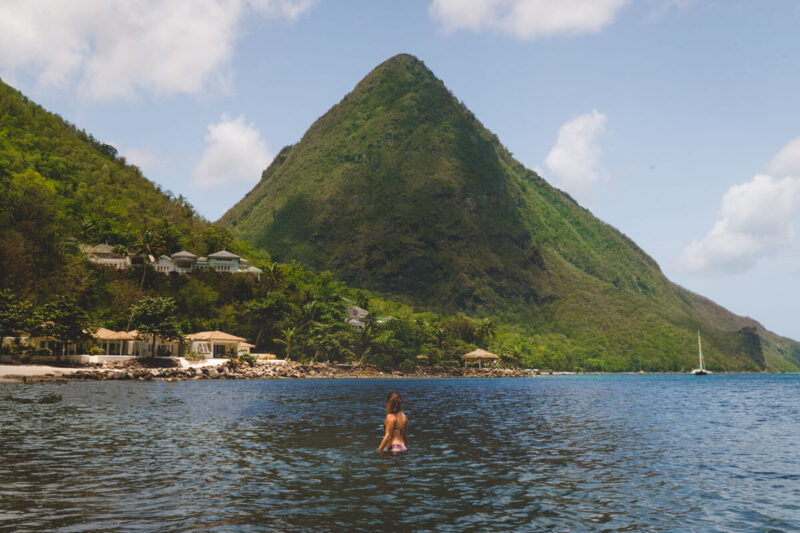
[(401, 190), (397, 190), (60, 187), (288, 311)]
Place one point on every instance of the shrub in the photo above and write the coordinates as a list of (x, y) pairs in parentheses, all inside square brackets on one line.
[(194, 356)]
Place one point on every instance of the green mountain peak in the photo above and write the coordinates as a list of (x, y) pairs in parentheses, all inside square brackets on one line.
[(399, 188)]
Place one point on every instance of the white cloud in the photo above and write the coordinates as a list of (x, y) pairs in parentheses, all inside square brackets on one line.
[(787, 161), (235, 153), (290, 9), (526, 19), (109, 50), (575, 158), (757, 221)]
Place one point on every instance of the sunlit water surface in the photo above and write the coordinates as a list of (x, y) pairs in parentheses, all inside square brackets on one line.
[(577, 453)]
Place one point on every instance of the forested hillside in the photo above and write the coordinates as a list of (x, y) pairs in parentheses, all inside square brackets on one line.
[(60, 187), (400, 189)]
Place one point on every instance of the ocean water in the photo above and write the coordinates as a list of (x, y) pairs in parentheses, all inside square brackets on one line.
[(565, 453)]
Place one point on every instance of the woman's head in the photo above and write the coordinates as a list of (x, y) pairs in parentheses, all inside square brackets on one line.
[(394, 403)]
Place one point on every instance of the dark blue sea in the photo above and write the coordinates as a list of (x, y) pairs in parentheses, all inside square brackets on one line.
[(562, 453)]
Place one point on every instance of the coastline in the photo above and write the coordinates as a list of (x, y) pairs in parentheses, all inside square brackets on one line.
[(225, 369), (136, 371)]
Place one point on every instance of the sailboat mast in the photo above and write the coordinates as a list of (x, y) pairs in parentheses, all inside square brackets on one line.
[(700, 351)]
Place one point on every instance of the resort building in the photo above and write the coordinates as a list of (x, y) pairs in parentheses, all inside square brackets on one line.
[(164, 264), (217, 344), (111, 345), (184, 262), (103, 254), (224, 261), (357, 316), (113, 342), (181, 262)]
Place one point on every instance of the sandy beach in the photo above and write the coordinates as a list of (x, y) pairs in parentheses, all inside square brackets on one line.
[(14, 372)]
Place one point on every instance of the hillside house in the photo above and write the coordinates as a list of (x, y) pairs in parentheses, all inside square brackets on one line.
[(224, 261), (356, 316), (181, 262), (164, 264), (104, 254), (184, 261)]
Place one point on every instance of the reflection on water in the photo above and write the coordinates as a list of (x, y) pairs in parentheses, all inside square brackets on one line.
[(604, 453)]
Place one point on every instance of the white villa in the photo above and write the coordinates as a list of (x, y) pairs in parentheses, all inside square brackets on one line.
[(210, 344), (114, 342), (181, 262), (103, 254), (222, 261), (125, 345), (217, 344), (356, 316)]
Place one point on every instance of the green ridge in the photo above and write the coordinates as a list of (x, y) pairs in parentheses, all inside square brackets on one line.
[(401, 190)]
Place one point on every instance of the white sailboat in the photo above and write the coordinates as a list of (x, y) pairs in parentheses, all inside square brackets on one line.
[(702, 370)]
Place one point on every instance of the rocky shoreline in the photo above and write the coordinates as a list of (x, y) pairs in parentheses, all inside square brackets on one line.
[(137, 371)]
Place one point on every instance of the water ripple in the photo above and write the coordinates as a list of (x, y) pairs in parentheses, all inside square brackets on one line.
[(602, 453)]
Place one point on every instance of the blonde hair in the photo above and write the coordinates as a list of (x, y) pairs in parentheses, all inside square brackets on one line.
[(394, 403)]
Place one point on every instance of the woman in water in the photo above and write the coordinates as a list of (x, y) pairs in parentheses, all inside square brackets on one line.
[(396, 425)]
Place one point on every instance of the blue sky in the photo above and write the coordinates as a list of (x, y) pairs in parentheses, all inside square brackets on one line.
[(676, 121)]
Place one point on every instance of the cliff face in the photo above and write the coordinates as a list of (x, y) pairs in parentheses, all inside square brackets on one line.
[(400, 189)]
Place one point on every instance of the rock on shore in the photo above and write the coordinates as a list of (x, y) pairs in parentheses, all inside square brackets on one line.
[(270, 370)]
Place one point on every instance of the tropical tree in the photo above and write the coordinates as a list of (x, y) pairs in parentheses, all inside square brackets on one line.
[(146, 245), (438, 336), (289, 340), (266, 313), (62, 320), (512, 355), (485, 331), (273, 275), (323, 341), (215, 238), (16, 315), (156, 316), (88, 227)]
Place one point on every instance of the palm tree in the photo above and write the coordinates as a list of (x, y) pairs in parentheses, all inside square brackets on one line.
[(439, 336), (485, 330), (311, 313), (88, 227), (289, 340), (145, 245), (274, 276), (365, 339)]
